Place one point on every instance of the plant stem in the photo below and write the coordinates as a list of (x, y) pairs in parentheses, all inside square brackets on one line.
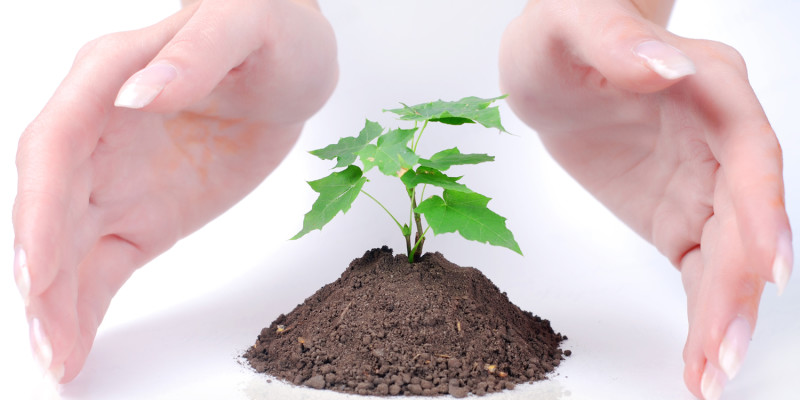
[(419, 242), (420, 237), (384, 209), (419, 136)]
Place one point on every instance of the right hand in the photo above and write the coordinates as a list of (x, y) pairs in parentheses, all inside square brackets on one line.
[(224, 89)]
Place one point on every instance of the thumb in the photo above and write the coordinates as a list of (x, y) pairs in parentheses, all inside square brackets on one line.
[(630, 51), (195, 60)]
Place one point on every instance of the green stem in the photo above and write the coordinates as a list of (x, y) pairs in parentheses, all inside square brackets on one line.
[(384, 209), (411, 196), (420, 237), (419, 136)]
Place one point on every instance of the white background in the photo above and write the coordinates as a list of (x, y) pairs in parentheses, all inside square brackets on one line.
[(175, 330)]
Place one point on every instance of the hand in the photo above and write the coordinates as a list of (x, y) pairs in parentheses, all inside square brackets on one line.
[(222, 92), (675, 143)]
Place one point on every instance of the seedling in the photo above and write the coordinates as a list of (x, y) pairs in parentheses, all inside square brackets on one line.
[(394, 153)]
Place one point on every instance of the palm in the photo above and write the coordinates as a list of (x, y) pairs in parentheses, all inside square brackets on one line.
[(154, 179), (651, 158), (658, 175)]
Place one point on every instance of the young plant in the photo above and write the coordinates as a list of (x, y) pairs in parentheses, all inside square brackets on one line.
[(394, 153)]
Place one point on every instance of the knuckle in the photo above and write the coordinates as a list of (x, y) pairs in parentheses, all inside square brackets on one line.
[(725, 54), (106, 44), (25, 143)]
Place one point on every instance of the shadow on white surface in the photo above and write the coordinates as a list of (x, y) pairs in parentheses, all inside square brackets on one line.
[(258, 389), (192, 350)]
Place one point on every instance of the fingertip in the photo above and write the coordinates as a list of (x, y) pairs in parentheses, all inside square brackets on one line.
[(783, 263), (692, 374), (22, 276), (665, 60), (55, 375), (649, 65), (41, 345), (145, 85), (734, 345), (638, 61), (713, 382)]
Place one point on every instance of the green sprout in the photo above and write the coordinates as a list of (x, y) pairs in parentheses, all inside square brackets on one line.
[(394, 153)]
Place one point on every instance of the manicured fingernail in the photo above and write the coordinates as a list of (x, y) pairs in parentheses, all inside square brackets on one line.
[(782, 266), (665, 60), (42, 349), (21, 274), (145, 85), (734, 346), (713, 382), (54, 375)]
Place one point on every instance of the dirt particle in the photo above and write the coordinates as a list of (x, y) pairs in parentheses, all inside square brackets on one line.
[(316, 382)]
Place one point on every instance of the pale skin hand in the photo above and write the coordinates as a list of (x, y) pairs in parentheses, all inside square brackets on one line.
[(686, 158), (104, 189)]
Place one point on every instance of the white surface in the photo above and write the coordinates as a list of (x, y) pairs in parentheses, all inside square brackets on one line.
[(175, 329)]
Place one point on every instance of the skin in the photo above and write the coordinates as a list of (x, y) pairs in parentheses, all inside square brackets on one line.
[(690, 164), (103, 189)]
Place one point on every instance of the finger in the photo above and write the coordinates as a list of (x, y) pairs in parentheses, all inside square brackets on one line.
[(723, 302), (54, 182), (743, 141), (53, 325), (628, 50), (693, 357), (197, 58), (106, 268), (724, 314)]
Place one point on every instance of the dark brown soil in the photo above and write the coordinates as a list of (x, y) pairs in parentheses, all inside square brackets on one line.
[(387, 327)]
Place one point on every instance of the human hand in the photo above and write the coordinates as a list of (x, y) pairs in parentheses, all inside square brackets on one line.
[(103, 188), (675, 143)]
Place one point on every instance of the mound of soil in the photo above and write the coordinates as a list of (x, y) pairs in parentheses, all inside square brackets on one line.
[(387, 327)]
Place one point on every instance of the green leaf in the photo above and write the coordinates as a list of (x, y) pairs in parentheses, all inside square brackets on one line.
[(337, 192), (467, 214), (430, 176), (467, 110), (346, 149), (447, 158), (391, 155)]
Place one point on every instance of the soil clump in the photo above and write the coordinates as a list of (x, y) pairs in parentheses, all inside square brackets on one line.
[(387, 327)]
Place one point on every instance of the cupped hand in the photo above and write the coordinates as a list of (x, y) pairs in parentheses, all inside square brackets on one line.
[(669, 135), (208, 102)]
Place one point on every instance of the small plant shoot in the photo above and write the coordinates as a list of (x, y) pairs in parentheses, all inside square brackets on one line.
[(394, 152)]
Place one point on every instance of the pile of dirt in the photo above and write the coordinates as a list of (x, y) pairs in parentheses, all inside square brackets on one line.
[(387, 327)]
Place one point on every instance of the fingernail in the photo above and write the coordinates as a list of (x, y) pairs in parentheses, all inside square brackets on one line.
[(665, 60), (21, 274), (42, 349), (145, 85), (734, 346), (782, 266), (713, 382), (54, 375)]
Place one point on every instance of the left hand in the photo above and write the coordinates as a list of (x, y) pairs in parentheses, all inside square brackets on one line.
[(676, 146)]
